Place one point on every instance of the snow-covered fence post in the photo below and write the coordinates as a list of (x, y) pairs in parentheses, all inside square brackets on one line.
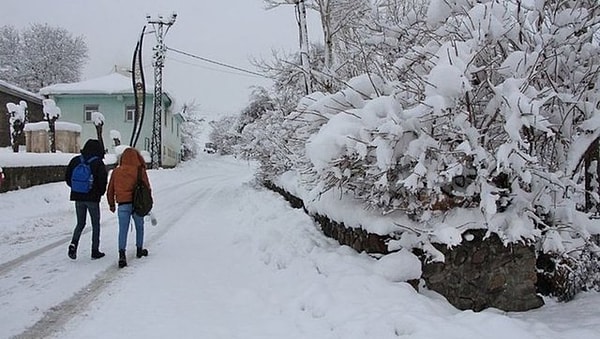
[(116, 137), (17, 114), (98, 119), (51, 114)]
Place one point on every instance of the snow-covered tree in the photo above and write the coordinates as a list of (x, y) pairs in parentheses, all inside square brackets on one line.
[(300, 7), (269, 139), (192, 127), (10, 53), (288, 80), (115, 136), (98, 120), (488, 106), (17, 119), (339, 19), (41, 55), (224, 134), (51, 114), (260, 103)]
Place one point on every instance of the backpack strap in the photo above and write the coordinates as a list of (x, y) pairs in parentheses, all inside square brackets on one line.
[(89, 161)]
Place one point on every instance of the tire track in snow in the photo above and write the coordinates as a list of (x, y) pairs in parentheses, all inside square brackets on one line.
[(6, 267), (57, 316)]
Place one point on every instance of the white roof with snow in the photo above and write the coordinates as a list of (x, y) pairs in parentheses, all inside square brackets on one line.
[(114, 83)]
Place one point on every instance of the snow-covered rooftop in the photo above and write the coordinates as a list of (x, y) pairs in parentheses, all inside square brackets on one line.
[(17, 91), (114, 83)]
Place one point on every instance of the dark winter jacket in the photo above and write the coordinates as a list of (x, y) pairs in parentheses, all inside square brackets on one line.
[(124, 177), (91, 148)]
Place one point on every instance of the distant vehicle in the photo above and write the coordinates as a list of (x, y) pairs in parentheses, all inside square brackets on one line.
[(210, 148)]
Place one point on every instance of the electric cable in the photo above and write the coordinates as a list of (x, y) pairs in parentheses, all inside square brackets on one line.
[(214, 69), (217, 62)]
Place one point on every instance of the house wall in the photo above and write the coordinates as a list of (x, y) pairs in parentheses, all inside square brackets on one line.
[(171, 140), (113, 109), (35, 114)]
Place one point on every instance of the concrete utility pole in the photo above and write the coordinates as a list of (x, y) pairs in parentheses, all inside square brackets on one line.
[(161, 27)]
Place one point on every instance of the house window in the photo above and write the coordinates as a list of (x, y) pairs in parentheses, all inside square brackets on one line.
[(88, 110), (129, 113)]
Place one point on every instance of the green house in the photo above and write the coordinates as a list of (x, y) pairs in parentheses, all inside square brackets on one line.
[(112, 95)]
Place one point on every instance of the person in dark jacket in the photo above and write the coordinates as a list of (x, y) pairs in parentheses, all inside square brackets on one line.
[(88, 202)]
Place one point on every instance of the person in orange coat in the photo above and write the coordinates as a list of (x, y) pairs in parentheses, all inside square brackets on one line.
[(120, 192)]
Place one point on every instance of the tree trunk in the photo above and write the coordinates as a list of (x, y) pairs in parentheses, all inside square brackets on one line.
[(99, 135), (301, 8), (17, 135), (325, 13), (52, 135)]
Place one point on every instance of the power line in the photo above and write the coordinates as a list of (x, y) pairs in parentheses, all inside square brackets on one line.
[(210, 68), (217, 63)]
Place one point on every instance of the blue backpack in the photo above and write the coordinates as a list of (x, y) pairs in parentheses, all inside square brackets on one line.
[(82, 178)]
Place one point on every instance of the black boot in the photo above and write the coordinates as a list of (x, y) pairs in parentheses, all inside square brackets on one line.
[(122, 259), (72, 251), (97, 254), (141, 252)]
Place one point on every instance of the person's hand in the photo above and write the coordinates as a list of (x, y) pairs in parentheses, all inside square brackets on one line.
[(112, 208)]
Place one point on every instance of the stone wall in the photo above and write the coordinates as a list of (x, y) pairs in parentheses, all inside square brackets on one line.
[(481, 272), (357, 238), (477, 274), (23, 177)]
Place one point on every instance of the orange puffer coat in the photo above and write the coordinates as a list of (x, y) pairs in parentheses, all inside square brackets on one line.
[(123, 178)]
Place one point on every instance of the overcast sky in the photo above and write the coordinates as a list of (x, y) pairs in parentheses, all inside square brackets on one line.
[(228, 31)]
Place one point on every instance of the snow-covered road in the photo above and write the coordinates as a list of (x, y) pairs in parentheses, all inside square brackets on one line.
[(227, 260)]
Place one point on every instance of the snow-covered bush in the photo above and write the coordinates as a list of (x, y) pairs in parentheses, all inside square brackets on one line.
[(268, 140), (492, 106), (192, 130), (224, 134), (494, 110), (564, 275)]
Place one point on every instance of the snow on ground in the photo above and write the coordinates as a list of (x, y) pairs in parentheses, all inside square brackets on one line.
[(227, 260)]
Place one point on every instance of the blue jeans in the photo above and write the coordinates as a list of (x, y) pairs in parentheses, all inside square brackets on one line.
[(125, 213), (81, 209)]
